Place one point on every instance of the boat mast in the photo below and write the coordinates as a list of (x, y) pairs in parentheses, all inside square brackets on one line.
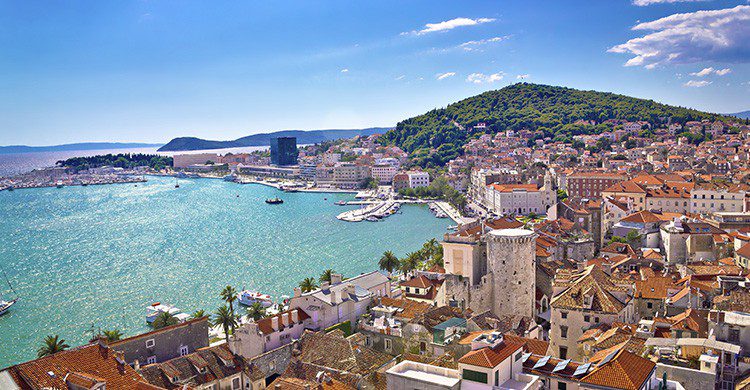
[(10, 285)]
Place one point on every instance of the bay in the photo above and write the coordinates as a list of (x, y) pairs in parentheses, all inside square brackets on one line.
[(96, 256)]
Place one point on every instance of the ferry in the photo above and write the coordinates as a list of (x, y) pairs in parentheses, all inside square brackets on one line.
[(274, 201), (157, 308), (248, 297)]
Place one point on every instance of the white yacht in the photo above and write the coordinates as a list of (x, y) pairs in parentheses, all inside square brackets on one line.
[(248, 297), (5, 305), (157, 308)]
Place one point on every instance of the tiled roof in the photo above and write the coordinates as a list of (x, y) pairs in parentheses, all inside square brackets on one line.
[(619, 248), (744, 251), (535, 346), (491, 357), (625, 371), (184, 368), (409, 308), (89, 361), (644, 216), (595, 283), (265, 325), (654, 287), (627, 187), (420, 281), (338, 353), (514, 187)]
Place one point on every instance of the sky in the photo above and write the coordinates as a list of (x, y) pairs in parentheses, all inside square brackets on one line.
[(151, 70)]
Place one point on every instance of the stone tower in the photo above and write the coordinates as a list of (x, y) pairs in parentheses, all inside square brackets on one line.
[(511, 255)]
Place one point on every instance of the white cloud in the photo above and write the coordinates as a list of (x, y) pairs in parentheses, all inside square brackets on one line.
[(445, 75), (449, 25), (481, 78), (722, 72), (345, 70), (703, 73), (400, 77), (643, 3), (522, 76), (715, 35), (474, 45), (697, 83), (710, 70)]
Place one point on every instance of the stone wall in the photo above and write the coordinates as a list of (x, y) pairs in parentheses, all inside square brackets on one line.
[(511, 263), (690, 379)]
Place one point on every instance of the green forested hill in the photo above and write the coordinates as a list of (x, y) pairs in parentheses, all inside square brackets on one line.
[(438, 135)]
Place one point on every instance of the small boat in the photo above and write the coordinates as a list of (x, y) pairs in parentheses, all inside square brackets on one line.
[(84, 184), (249, 297), (10, 188), (274, 201), (157, 308), (230, 177), (176, 183), (341, 203), (5, 305), (373, 218), (59, 184)]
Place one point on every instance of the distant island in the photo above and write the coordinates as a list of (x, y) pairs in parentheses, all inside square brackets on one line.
[(742, 114), (77, 146), (264, 139)]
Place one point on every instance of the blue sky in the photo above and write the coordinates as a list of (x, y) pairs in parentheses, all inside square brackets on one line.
[(153, 70)]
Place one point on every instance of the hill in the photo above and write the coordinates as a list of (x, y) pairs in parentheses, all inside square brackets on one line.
[(438, 136), (743, 114), (264, 139), (76, 146)]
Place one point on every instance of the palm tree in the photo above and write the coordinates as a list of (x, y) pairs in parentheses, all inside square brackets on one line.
[(308, 285), (198, 314), (410, 262), (52, 345), (229, 295), (326, 276), (164, 319), (112, 335), (256, 311), (225, 318), (388, 262), (430, 248)]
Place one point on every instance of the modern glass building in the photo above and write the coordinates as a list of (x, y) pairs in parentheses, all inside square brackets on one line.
[(284, 151)]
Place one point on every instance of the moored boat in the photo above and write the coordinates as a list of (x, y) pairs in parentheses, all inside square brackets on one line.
[(59, 184), (157, 308), (274, 201), (5, 305), (249, 297)]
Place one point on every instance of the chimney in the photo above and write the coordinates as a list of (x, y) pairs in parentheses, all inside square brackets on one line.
[(333, 297), (137, 365), (325, 285), (295, 315), (350, 289), (336, 279), (102, 341), (120, 357), (297, 292), (275, 322), (285, 318)]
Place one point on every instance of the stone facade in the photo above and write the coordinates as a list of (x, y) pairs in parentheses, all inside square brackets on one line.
[(164, 344), (511, 263)]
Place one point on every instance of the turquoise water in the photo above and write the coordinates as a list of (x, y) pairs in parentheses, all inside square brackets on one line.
[(98, 255)]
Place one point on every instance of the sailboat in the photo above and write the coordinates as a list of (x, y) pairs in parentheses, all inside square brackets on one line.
[(176, 183), (5, 305)]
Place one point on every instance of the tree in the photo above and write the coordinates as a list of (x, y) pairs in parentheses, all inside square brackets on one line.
[(164, 319), (225, 318), (52, 345), (308, 284), (389, 262), (410, 262), (198, 314), (256, 311), (326, 276), (633, 238), (617, 239), (112, 335), (229, 295)]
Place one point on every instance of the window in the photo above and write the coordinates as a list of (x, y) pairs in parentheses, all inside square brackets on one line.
[(562, 386), (151, 360), (587, 318), (563, 353), (518, 356), (497, 378), (734, 335), (650, 305), (150, 343), (368, 341), (475, 376), (596, 320), (388, 345), (236, 384), (272, 366), (564, 315), (563, 331), (183, 350)]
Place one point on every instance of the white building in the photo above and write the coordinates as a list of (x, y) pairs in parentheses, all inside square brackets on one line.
[(254, 338), (384, 173), (418, 179), (711, 197), (341, 301), (185, 160)]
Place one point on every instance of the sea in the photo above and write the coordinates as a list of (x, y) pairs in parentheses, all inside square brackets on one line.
[(83, 259)]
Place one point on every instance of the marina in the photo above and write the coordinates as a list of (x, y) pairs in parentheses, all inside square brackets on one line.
[(105, 253)]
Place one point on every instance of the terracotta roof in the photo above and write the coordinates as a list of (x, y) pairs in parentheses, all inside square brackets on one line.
[(655, 287), (491, 357), (625, 371), (265, 325), (644, 216), (420, 281), (184, 370), (595, 283), (290, 383), (692, 320), (514, 187), (535, 346), (88, 362), (409, 308), (619, 248), (744, 251), (338, 353), (627, 187)]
